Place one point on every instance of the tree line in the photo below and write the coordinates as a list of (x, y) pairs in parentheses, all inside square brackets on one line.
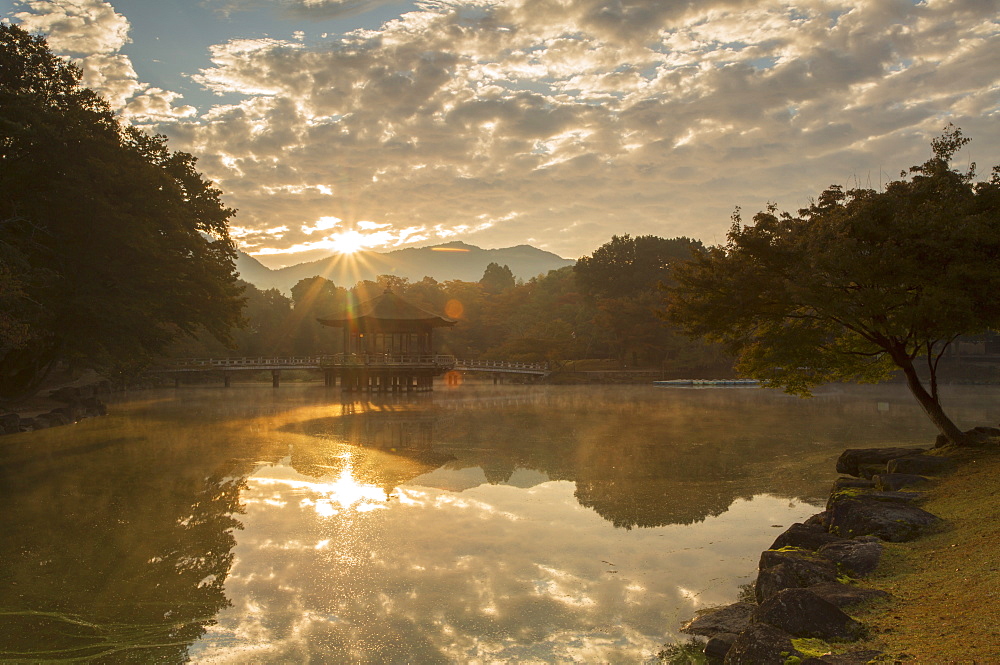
[(603, 308)]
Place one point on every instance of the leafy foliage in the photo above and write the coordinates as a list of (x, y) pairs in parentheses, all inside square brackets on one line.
[(111, 245), (497, 278), (626, 266), (859, 284), (621, 279), (691, 652)]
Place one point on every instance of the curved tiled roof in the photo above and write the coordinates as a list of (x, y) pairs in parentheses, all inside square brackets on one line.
[(385, 308)]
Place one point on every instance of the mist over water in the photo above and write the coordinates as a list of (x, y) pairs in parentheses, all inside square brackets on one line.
[(480, 523)]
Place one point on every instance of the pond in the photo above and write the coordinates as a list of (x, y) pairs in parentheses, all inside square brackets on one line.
[(472, 524)]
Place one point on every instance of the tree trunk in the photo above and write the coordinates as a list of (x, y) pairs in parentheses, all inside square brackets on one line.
[(930, 405)]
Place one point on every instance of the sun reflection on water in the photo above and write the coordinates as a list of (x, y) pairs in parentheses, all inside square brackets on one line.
[(328, 498)]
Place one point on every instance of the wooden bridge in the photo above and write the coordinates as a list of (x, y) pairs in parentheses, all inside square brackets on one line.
[(367, 372)]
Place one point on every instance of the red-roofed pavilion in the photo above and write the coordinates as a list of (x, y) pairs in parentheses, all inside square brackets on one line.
[(388, 345)]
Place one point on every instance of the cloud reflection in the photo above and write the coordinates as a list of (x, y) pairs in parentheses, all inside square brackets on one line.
[(493, 573)]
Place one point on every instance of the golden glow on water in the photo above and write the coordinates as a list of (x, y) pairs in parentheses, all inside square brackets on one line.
[(471, 525), (326, 498)]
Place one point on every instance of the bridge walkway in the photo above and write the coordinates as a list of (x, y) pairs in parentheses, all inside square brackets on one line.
[(372, 372)]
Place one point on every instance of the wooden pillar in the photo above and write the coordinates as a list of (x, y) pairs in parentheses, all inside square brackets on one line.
[(226, 376), (275, 378)]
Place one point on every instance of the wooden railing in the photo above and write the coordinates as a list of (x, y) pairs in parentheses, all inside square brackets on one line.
[(341, 360), (502, 366), (313, 362)]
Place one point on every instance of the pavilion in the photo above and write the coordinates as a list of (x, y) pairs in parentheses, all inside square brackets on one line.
[(387, 346)]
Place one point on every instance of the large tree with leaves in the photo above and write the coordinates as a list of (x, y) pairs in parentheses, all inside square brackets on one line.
[(621, 281), (860, 284), (111, 245)]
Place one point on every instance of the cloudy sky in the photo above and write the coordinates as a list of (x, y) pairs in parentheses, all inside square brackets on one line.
[(334, 124)]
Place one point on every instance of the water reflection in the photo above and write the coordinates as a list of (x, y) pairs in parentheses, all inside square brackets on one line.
[(105, 558), (504, 523), (637, 458)]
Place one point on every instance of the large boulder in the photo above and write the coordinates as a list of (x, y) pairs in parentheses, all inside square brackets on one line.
[(821, 519), (53, 419), (892, 482), (852, 458), (889, 520), (71, 412), (718, 646), (729, 619), (921, 465), (859, 557), (845, 595), (869, 471), (94, 407), (874, 495), (10, 423), (788, 569), (805, 536), (65, 394), (761, 644), (801, 613), (846, 482)]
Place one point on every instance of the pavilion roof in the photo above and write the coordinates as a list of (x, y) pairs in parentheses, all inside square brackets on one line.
[(385, 308)]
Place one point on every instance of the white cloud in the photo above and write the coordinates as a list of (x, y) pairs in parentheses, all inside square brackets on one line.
[(571, 120), (543, 114), (90, 33), (111, 75), (156, 105), (322, 224), (75, 27)]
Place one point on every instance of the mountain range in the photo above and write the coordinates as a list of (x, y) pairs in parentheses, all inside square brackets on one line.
[(453, 260)]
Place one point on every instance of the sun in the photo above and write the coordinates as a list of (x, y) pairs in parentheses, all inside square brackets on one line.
[(346, 242)]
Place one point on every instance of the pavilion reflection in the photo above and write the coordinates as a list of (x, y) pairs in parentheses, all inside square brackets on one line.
[(384, 443), (631, 472)]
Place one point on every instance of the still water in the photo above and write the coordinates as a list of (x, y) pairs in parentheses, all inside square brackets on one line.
[(473, 524)]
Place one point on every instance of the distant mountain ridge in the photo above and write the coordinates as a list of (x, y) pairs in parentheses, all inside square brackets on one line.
[(453, 260)]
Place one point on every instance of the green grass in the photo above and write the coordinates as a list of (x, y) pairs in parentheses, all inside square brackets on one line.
[(946, 586)]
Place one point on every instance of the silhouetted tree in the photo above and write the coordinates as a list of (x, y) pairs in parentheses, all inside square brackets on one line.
[(119, 245), (622, 279), (626, 266), (859, 284), (497, 278), (313, 298)]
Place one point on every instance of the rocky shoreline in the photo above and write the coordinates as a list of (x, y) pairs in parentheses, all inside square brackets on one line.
[(71, 404), (806, 582)]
